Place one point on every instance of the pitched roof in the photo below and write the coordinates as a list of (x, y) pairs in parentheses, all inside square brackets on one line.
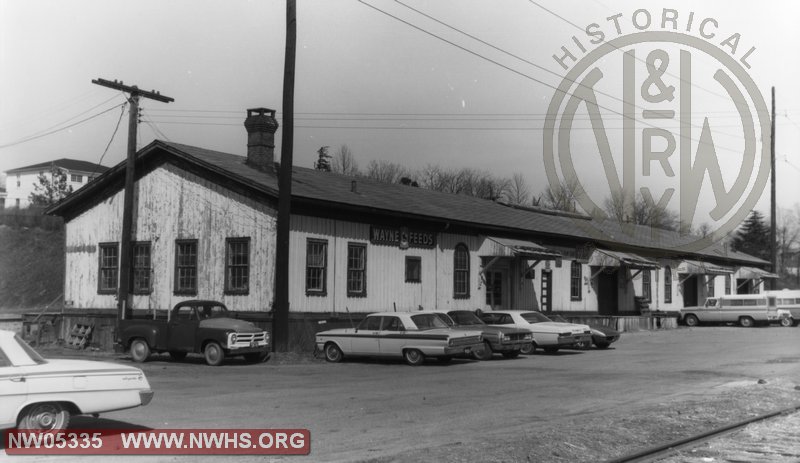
[(64, 163), (336, 190)]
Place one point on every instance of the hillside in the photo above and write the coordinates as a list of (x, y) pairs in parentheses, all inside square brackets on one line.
[(31, 267)]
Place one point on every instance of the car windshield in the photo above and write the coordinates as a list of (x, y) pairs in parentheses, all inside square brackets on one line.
[(29, 350), (465, 317), (427, 321), (211, 311), (534, 317)]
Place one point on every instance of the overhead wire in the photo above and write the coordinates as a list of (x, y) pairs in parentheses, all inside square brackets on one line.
[(114, 134)]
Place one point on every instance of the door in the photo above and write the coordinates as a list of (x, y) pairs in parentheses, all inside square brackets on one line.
[(183, 326), (13, 391), (690, 291), (365, 340), (496, 293), (546, 304), (607, 292), (392, 336)]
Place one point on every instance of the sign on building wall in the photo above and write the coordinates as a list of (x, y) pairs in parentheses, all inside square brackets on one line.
[(402, 237)]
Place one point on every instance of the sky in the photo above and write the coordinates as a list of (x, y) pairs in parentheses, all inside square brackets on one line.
[(464, 83)]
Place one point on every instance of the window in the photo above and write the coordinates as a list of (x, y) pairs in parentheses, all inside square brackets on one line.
[(393, 324), (186, 267), (316, 267), (647, 291), (356, 270), (140, 265), (667, 285), (711, 280), (576, 281), (461, 272), (108, 268), (413, 269), (727, 284), (76, 178), (371, 323), (237, 265)]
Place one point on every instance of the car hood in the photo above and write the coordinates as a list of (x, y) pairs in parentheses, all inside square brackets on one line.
[(224, 323), (560, 326)]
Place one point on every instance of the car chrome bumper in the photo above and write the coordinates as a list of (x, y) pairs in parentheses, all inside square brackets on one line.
[(465, 349), (510, 346), (146, 396), (574, 339)]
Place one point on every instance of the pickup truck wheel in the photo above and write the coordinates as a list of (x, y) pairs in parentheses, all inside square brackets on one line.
[(140, 351), (413, 357), (528, 349), (747, 322), (46, 416), (484, 352), (691, 320), (177, 355), (512, 354), (332, 353), (214, 354), (787, 321)]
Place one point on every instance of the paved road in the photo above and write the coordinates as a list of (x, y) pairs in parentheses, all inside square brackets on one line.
[(369, 409)]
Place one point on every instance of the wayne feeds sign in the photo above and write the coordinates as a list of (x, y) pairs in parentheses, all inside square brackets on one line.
[(401, 237)]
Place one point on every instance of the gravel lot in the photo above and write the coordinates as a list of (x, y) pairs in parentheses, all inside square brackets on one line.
[(649, 388)]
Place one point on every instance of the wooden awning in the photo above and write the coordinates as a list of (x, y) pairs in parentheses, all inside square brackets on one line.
[(696, 267), (526, 249), (605, 258), (755, 273)]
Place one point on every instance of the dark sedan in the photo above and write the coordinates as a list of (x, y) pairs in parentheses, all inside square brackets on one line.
[(602, 336), (504, 340)]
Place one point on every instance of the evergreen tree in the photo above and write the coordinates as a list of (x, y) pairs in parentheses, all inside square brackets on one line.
[(753, 237), (50, 188), (324, 161)]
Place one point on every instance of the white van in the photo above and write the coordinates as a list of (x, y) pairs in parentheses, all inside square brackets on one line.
[(788, 299), (745, 309)]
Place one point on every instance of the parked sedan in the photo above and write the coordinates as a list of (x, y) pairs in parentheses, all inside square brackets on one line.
[(506, 340), (547, 334), (602, 336), (42, 394), (411, 336)]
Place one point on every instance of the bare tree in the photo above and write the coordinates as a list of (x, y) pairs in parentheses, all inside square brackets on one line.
[(343, 162), (518, 190), (50, 189), (788, 238), (385, 171), (561, 197), (641, 212)]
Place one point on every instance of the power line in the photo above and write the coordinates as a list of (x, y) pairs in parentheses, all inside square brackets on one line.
[(121, 113), (463, 48), (31, 138)]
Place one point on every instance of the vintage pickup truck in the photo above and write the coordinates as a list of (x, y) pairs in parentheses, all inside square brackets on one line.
[(194, 326)]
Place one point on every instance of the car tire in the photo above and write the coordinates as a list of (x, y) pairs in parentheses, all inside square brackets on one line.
[(551, 350), (484, 353), (528, 349), (256, 357), (214, 354), (787, 321), (48, 416), (602, 345), (140, 350), (177, 355), (691, 320), (746, 322), (332, 353), (512, 354), (414, 357)]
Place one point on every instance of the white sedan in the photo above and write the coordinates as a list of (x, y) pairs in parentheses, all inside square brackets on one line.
[(411, 336), (42, 394), (547, 334)]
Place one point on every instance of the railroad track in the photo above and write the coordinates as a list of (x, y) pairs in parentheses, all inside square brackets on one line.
[(675, 447)]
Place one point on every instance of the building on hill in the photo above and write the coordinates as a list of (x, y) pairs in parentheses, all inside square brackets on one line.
[(20, 181), (205, 228)]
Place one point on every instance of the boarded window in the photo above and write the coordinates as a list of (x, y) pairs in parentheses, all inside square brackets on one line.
[(237, 265), (186, 267), (711, 280), (461, 272), (647, 291), (356, 270), (727, 284), (141, 268), (316, 267), (413, 269), (109, 268), (576, 281), (667, 285)]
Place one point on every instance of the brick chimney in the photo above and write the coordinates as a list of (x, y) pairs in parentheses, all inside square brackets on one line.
[(261, 126)]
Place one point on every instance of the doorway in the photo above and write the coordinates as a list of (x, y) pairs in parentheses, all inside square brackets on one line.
[(546, 304), (689, 286), (608, 292), (496, 292)]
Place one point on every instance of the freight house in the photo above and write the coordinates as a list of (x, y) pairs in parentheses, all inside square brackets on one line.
[(204, 227)]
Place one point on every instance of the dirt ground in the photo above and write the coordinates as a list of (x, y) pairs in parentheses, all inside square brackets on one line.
[(578, 406)]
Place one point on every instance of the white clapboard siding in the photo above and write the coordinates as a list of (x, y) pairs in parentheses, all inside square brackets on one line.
[(174, 204)]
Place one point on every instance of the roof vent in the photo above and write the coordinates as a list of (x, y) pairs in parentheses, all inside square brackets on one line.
[(353, 186)]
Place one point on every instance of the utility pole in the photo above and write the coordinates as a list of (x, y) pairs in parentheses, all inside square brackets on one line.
[(123, 294), (773, 220), (280, 312)]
